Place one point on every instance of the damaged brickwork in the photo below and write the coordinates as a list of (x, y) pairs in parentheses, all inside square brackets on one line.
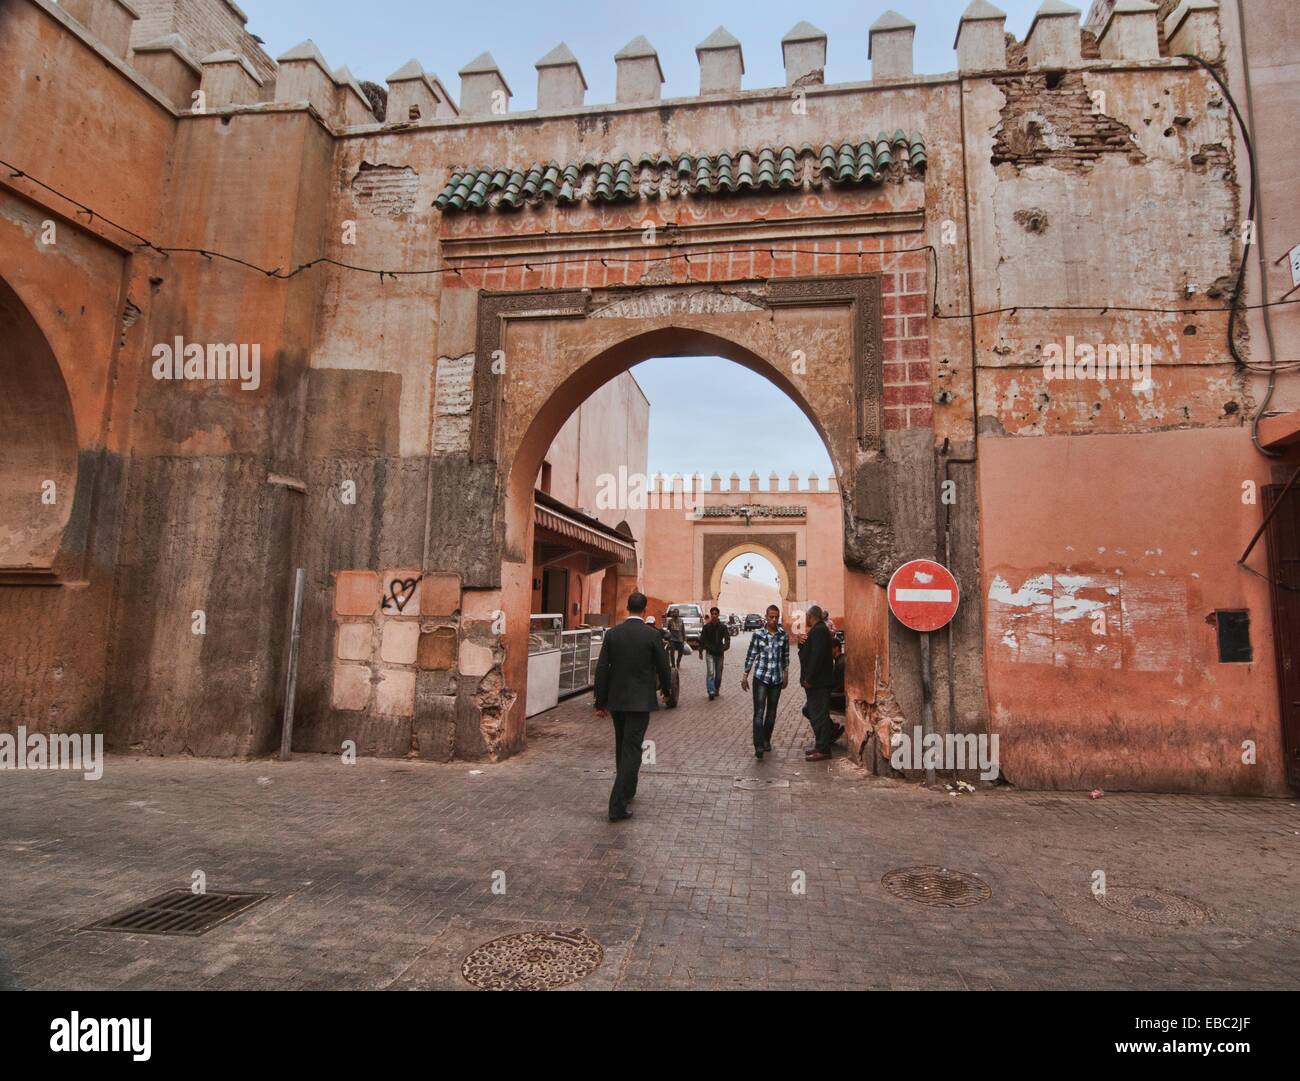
[(1058, 125), (494, 701), (386, 190)]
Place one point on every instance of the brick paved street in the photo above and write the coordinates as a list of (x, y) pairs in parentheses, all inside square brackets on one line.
[(383, 871)]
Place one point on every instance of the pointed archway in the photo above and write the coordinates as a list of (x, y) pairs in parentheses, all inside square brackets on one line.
[(779, 555), (38, 470), (818, 340)]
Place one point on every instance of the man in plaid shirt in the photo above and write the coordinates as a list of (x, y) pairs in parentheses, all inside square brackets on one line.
[(769, 660)]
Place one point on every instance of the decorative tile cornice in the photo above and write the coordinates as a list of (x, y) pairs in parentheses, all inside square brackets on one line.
[(623, 180)]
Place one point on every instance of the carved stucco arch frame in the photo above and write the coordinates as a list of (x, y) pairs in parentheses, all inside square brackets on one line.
[(713, 577), (860, 293)]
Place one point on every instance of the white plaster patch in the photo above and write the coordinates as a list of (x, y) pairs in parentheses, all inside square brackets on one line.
[(1034, 591), (453, 401), (1020, 620)]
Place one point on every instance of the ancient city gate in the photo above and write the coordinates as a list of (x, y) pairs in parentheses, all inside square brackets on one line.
[(818, 284), (432, 285), (720, 549), (818, 339)]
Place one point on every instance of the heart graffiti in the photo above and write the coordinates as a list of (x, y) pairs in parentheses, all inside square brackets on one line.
[(400, 592)]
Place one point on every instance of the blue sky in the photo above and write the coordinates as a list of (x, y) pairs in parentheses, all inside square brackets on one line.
[(706, 413)]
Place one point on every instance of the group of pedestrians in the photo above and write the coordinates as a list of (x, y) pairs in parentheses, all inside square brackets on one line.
[(637, 659), (767, 667)]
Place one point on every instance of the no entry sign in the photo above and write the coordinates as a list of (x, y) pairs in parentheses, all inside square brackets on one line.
[(923, 595)]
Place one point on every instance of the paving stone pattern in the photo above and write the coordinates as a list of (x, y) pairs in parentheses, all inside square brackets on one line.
[(383, 871)]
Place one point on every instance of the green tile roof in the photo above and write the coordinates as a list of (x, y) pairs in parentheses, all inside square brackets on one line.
[(769, 168)]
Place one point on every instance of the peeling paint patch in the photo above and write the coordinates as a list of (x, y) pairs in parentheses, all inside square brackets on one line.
[(1020, 620), (1089, 621), (1155, 625), (1086, 621)]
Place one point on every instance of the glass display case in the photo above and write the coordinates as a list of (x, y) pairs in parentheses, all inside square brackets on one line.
[(544, 659), (544, 632), (560, 663), (579, 651)]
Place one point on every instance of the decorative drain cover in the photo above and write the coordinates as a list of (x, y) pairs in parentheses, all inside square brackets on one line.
[(1147, 905), (533, 960), (937, 886), (753, 784), (180, 912)]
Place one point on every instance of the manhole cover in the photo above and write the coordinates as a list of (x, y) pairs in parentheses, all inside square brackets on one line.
[(937, 886), (533, 960), (753, 784), (1147, 905), (180, 912)]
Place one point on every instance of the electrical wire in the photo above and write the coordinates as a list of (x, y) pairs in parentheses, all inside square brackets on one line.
[(382, 273), (1274, 366)]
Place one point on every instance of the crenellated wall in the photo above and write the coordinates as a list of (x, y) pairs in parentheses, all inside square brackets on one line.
[(207, 26), (905, 278)]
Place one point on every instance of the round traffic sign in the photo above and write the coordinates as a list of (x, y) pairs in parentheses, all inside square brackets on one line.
[(923, 595)]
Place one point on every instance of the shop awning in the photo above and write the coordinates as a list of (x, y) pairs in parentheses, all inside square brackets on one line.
[(562, 531)]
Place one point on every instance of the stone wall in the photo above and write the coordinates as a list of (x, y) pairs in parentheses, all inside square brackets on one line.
[(910, 312)]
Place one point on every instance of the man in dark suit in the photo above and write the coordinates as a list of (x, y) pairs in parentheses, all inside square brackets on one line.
[(632, 660), (817, 677)]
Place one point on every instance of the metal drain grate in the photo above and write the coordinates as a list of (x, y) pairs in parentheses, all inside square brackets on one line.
[(533, 960), (180, 912), (1147, 905), (757, 784), (937, 886)]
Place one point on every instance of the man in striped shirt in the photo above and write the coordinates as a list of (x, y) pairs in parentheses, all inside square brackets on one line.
[(769, 661)]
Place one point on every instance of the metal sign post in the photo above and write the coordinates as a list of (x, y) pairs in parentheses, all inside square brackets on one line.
[(927, 701), (924, 595), (291, 680)]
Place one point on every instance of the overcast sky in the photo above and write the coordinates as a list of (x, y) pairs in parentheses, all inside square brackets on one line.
[(706, 414), (376, 37), (761, 568)]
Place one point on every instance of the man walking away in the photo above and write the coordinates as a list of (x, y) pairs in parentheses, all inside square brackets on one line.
[(816, 676), (769, 660), (715, 640), (631, 662), (676, 637)]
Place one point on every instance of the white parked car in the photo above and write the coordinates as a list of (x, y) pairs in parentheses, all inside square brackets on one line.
[(692, 619)]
